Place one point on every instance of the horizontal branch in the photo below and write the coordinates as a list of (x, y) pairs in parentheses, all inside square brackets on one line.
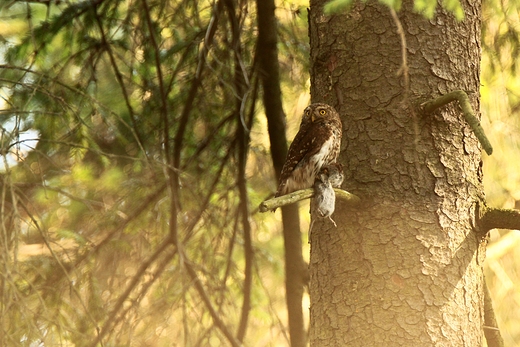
[(467, 110), (274, 203), (499, 218)]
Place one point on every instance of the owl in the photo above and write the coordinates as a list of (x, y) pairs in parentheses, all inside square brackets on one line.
[(316, 144)]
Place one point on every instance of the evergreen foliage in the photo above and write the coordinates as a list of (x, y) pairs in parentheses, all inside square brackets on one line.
[(93, 99)]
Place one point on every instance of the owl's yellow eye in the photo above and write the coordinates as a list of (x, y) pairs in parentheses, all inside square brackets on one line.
[(323, 112), (307, 112)]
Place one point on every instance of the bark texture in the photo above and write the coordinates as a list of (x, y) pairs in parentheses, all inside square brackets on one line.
[(405, 269)]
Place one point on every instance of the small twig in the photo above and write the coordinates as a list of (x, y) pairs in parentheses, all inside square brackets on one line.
[(242, 135), (144, 287), (219, 323), (403, 70), (184, 117), (271, 204), (118, 75), (491, 330), (119, 305), (467, 110)]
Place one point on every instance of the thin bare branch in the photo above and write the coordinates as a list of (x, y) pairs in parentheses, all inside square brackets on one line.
[(404, 56), (467, 110), (241, 84), (119, 78), (491, 330), (145, 287), (184, 117), (118, 306), (219, 323)]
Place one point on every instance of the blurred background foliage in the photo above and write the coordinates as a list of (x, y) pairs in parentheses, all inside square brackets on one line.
[(97, 97), (105, 104), (500, 108)]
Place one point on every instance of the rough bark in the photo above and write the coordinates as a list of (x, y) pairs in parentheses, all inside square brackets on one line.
[(272, 97), (406, 268)]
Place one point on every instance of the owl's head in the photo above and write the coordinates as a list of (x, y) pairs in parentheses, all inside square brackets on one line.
[(318, 111)]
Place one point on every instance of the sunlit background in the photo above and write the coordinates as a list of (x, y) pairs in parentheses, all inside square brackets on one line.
[(81, 177), (500, 106)]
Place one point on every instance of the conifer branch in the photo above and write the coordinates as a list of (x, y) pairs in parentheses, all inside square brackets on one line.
[(274, 203), (467, 110)]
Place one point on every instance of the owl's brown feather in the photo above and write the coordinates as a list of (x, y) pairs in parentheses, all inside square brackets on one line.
[(316, 144)]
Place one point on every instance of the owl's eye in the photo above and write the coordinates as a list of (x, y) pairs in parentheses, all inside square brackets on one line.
[(307, 112), (323, 112)]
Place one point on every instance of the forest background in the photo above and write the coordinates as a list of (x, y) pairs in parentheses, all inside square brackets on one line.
[(120, 130)]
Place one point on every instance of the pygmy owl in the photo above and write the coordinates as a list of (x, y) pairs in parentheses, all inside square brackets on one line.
[(316, 144)]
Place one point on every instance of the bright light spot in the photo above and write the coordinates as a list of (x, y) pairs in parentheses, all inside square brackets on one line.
[(14, 149)]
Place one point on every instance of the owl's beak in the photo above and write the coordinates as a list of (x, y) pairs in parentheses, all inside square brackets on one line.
[(313, 118)]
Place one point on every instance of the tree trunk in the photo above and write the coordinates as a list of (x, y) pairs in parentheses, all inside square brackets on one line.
[(405, 269), (272, 97)]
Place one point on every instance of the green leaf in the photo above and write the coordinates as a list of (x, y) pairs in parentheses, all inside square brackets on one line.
[(69, 234), (395, 4), (336, 6), (454, 7), (111, 179), (425, 7)]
